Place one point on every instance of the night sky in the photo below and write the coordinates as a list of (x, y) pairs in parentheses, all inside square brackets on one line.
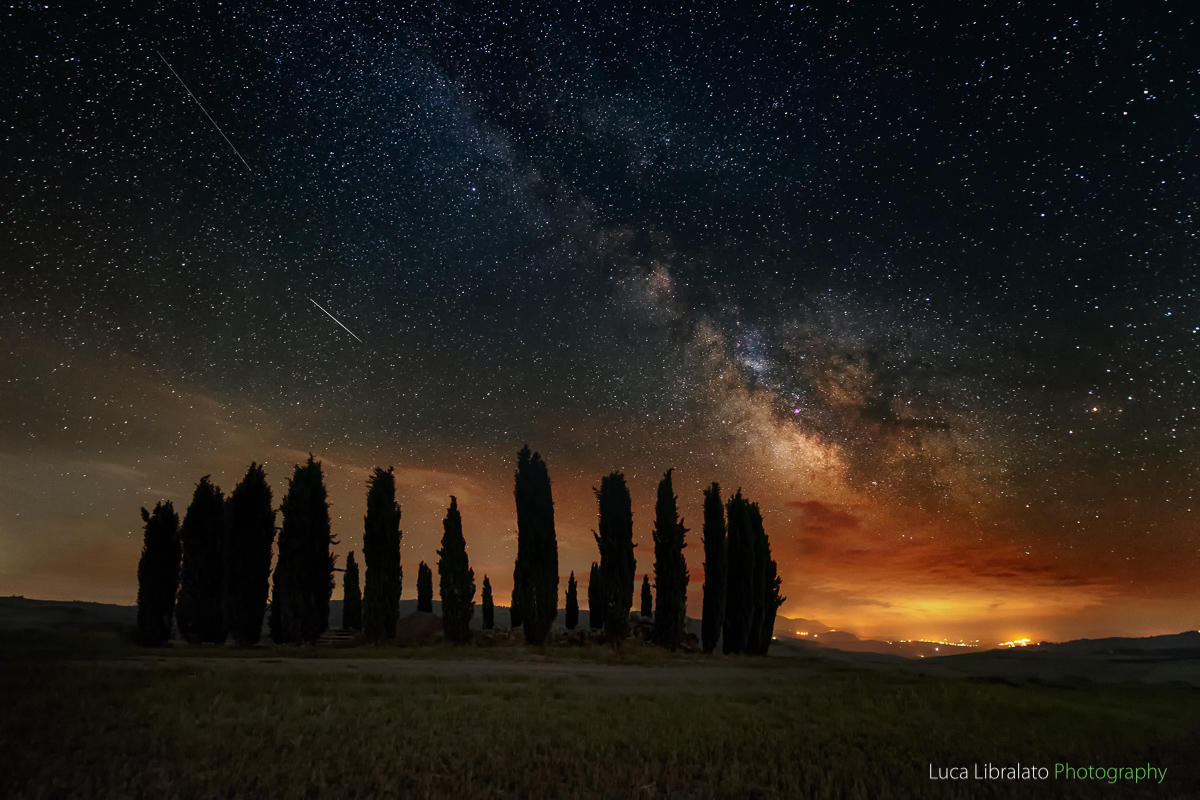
[(921, 280)]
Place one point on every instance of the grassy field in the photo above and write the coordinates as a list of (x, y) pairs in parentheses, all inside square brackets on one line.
[(85, 714)]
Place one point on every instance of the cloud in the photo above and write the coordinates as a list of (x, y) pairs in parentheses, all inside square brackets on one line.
[(823, 520)]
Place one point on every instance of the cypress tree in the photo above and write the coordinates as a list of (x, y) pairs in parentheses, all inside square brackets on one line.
[(716, 568), (771, 603), (670, 568), (251, 532), (595, 598), (758, 587), (739, 604), (304, 573), (537, 547), (381, 551), (572, 610), (515, 618), (200, 610), (617, 563), (456, 578), (424, 588), (158, 575), (647, 598), (352, 607), (489, 609)]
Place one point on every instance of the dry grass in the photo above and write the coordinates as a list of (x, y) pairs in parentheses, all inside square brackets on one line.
[(588, 722)]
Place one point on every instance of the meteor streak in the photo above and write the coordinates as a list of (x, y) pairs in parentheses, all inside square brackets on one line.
[(335, 319), (210, 119)]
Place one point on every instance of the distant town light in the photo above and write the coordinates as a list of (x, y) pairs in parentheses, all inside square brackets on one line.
[(1017, 642)]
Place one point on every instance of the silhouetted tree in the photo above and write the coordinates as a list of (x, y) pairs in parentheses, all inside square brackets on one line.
[(617, 563), (158, 575), (647, 598), (200, 610), (572, 609), (596, 597), (716, 568), (251, 532), (424, 588), (456, 578), (381, 552), (758, 585), (771, 604), (352, 605), (537, 547), (670, 568), (489, 608), (304, 573), (739, 604), (515, 618)]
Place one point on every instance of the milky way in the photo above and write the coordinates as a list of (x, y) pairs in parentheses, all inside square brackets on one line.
[(921, 281)]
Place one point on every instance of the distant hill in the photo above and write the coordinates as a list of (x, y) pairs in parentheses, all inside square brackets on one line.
[(810, 632), (795, 625), (1186, 643), (21, 612), (1177, 645), (850, 643)]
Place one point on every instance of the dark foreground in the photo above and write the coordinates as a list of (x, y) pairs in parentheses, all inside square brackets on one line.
[(88, 715)]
